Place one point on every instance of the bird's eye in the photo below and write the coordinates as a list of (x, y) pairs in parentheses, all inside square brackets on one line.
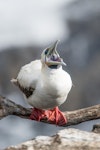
[(46, 51)]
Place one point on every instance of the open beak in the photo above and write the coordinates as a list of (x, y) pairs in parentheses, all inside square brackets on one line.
[(53, 57)]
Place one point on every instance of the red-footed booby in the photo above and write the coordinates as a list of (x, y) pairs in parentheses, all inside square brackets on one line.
[(45, 85)]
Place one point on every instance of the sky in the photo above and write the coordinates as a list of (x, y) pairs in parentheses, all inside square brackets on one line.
[(31, 22)]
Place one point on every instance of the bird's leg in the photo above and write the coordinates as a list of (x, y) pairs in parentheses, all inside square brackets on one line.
[(54, 116), (38, 114), (57, 117)]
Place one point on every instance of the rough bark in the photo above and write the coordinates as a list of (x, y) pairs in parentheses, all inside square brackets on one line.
[(96, 128), (70, 139), (8, 107), (67, 139)]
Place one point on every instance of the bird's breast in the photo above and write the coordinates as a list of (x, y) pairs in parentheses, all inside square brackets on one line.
[(58, 84), (51, 91)]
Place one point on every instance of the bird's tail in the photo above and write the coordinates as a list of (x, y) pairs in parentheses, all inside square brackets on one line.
[(14, 81)]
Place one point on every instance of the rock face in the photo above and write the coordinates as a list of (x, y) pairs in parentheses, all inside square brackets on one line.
[(70, 139), (83, 47), (11, 61)]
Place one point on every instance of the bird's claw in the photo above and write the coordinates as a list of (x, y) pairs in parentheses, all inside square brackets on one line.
[(54, 116)]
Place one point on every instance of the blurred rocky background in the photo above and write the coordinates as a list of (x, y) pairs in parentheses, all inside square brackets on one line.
[(26, 28)]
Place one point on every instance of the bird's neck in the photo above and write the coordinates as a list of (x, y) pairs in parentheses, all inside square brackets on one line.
[(54, 66), (51, 69)]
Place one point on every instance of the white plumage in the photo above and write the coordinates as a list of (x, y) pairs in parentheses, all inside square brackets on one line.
[(46, 85), (29, 74), (51, 86)]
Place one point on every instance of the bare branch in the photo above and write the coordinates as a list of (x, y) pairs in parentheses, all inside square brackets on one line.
[(8, 107)]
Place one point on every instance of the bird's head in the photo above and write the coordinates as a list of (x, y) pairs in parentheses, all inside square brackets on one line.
[(51, 58)]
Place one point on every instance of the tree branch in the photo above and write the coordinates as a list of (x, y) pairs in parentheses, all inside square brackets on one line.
[(8, 107)]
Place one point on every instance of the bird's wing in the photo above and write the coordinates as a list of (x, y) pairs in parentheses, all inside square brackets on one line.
[(28, 77)]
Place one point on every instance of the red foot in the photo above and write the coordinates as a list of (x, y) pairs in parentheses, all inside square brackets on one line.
[(55, 116), (38, 114)]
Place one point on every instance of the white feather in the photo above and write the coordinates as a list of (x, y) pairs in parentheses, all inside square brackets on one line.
[(51, 85), (29, 74)]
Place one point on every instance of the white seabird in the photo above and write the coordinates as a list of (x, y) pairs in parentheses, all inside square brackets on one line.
[(45, 85)]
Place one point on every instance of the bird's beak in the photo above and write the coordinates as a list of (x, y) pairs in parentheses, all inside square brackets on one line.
[(53, 56), (52, 49)]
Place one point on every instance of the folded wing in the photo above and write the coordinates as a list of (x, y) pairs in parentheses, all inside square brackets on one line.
[(28, 77)]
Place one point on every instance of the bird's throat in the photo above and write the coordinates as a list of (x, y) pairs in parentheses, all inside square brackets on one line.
[(53, 66)]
